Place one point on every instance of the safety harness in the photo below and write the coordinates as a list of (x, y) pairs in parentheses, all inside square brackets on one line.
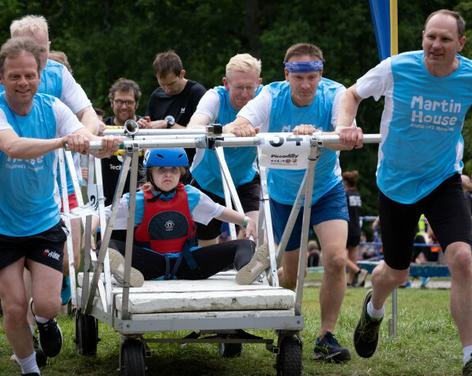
[(168, 228)]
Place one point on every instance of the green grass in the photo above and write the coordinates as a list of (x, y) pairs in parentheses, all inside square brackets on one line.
[(427, 344)]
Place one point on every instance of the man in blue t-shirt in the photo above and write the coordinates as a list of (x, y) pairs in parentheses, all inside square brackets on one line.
[(427, 96), (32, 127), (57, 80), (304, 103), (221, 104)]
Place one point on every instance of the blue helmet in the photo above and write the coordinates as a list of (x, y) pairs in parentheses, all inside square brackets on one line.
[(166, 158)]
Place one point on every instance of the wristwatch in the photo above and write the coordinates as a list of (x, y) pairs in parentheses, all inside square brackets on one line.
[(170, 121)]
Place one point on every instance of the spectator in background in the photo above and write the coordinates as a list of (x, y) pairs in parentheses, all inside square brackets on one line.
[(173, 103), (357, 276), (124, 98)]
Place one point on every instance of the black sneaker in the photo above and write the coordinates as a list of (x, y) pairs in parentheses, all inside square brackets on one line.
[(467, 369), (328, 349), (50, 338), (31, 374), (366, 335)]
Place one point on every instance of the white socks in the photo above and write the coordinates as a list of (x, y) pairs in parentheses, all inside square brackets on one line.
[(467, 351), (376, 314), (28, 364), (41, 320)]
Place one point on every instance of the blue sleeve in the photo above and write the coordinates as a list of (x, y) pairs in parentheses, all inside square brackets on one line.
[(193, 196), (139, 211)]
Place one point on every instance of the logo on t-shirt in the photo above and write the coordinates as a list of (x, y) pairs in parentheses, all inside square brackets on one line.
[(439, 115)]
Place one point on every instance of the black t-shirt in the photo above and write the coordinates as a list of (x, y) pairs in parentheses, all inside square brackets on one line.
[(111, 168), (354, 204), (180, 106)]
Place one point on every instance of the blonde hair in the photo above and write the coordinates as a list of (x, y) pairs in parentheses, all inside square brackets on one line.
[(243, 63), (29, 26)]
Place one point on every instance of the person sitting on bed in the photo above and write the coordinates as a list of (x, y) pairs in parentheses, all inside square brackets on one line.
[(164, 234)]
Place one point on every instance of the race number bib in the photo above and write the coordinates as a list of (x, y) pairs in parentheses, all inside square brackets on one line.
[(284, 151)]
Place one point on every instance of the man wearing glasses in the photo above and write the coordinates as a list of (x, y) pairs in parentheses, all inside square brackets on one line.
[(124, 98), (220, 105)]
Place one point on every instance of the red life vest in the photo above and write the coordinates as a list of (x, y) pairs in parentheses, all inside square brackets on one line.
[(166, 225)]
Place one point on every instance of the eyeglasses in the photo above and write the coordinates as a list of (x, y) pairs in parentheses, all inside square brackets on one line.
[(119, 102), (241, 88)]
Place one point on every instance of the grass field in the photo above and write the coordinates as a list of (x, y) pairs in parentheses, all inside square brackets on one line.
[(427, 344)]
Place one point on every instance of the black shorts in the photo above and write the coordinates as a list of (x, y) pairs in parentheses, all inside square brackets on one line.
[(446, 212), (248, 193), (353, 241), (46, 248)]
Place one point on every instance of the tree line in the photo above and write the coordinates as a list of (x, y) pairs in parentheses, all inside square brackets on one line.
[(108, 39)]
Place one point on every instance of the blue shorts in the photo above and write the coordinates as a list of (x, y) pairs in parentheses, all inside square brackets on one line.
[(332, 205)]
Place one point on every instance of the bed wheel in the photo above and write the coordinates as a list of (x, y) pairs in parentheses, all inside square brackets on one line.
[(230, 350), (86, 334), (132, 358), (289, 358)]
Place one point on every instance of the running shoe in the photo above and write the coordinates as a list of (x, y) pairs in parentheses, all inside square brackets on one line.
[(328, 349), (366, 335)]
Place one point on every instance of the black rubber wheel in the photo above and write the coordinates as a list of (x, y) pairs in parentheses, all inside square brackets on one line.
[(230, 350), (132, 358), (86, 334), (289, 359)]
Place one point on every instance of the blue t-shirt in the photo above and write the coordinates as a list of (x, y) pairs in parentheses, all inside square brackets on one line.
[(240, 161), (28, 192), (421, 125), (283, 185)]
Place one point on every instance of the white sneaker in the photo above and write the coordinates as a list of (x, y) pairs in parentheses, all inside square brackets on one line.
[(117, 268), (253, 269)]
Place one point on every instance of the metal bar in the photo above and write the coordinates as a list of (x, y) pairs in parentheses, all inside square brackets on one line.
[(67, 221), (119, 131), (229, 140), (197, 142), (302, 259), (87, 260), (266, 218), (228, 179), (106, 237), (326, 139), (103, 224), (227, 195), (130, 233)]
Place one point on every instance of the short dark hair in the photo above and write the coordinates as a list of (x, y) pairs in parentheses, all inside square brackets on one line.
[(301, 49), (123, 84), (167, 62), (13, 47), (460, 21)]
